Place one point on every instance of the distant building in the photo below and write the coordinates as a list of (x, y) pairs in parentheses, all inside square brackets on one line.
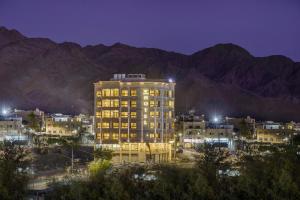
[(194, 130), (273, 133), (10, 127), (134, 116), (61, 125)]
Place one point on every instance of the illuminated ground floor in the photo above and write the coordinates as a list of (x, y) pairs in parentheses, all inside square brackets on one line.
[(139, 152)]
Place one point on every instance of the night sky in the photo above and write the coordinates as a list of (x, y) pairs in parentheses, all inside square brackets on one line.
[(264, 27)]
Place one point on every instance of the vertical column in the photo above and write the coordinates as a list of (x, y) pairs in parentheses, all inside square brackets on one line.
[(129, 117), (162, 115)]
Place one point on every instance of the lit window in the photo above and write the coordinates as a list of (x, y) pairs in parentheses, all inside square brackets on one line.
[(133, 114), (114, 103), (145, 92), (133, 125), (124, 93), (114, 113), (106, 113), (152, 125), (124, 114), (151, 135), (124, 125), (124, 135), (157, 93), (98, 136), (145, 116), (145, 122), (115, 92), (146, 103), (98, 104), (98, 114), (133, 135), (106, 92), (98, 93), (166, 93), (152, 103), (105, 136), (98, 125), (152, 93), (170, 114), (146, 97), (105, 125), (170, 93), (133, 104), (115, 136), (171, 104), (152, 114), (133, 93), (105, 103), (115, 125), (124, 103)]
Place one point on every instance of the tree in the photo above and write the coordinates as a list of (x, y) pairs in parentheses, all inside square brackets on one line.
[(34, 122), (13, 175)]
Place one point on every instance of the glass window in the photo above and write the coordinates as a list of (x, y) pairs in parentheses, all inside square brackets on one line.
[(124, 93), (133, 92), (98, 104), (98, 114), (152, 125), (115, 125), (157, 93), (106, 92), (124, 114), (171, 104), (146, 103), (115, 113), (133, 104), (152, 103), (124, 135), (105, 103), (133, 114), (106, 136), (106, 113), (98, 93), (115, 136), (133, 135), (124, 103), (105, 125), (114, 103), (170, 93), (124, 125), (133, 125), (115, 92), (152, 93), (146, 92)]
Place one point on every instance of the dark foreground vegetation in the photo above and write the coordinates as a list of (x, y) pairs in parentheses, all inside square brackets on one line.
[(272, 176)]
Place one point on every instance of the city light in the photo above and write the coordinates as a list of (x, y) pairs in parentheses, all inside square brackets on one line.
[(216, 119), (4, 111), (170, 80)]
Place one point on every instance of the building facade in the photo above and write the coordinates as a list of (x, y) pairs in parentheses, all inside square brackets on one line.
[(131, 110), (61, 125)]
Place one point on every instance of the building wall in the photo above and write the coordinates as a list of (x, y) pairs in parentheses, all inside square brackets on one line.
[(59, 128), (134, 111)]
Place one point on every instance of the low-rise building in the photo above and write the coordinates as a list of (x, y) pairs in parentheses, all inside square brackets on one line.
[(62, 125)]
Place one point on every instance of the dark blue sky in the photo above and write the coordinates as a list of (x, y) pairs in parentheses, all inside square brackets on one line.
[(264, 27)]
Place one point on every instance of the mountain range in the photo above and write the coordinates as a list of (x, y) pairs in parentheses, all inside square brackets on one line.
[(224, 79)]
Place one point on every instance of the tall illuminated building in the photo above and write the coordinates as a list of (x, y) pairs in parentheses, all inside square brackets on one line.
[(134, 116)]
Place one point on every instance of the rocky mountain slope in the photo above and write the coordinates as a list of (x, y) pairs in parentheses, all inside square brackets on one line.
[(223, 79)]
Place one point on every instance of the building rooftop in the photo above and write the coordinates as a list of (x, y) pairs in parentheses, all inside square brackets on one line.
[(137, 78)]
